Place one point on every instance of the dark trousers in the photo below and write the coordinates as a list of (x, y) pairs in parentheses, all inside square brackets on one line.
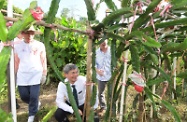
[(101, 88), (30, 95), (61, 115)]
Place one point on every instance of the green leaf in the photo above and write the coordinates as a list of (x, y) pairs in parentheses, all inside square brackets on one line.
[(142, 19), (33, 4), (151, 42), (53, 11), (182, 74), (49, 114), (19, 26), (155, 81), (64, 22), (111, 5), (170, 46), (117, 26), (135, 58), (72, 101), (4, 31), (4, 58), (149, 49), (150, 96), (177, 4), (90, 10), (115, 36), (154, 59), (163, 74), (115, 15), (172, 110), (177, 21), (2, 4), (125, 3)]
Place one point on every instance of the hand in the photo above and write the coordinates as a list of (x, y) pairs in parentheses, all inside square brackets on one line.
[(43, 79), (80, 112), (100, 72)]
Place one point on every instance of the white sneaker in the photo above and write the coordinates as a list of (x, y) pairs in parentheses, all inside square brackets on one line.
[(39, 104), (31, 119)]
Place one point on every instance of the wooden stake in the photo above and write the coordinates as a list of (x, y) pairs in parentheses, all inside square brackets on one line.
[(88, 78)]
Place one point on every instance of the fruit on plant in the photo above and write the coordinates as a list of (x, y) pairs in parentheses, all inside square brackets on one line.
[(38, 14), (138, 88)]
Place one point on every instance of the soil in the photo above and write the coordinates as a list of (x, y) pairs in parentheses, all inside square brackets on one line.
[(47, 99), (48, 96)]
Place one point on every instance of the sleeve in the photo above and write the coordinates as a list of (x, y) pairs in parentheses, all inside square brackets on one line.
[(16, 62), (60, 101), (96, 59)]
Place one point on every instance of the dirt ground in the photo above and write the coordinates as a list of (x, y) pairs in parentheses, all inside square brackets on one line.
[(47, 99), (48, 96)]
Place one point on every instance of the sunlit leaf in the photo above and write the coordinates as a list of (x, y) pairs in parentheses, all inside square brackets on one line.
[(4, 31)]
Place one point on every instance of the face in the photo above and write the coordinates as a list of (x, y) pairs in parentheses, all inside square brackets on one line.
[(103, 44), (72, 75), (28, 36)]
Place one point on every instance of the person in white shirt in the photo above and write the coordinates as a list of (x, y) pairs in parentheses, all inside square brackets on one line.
[(71, 73), (31, 69), (103, 70)]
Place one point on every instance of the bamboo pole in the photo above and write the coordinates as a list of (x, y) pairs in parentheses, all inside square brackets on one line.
[(153, 91), (174, 75), (88, 78), (12, 74), (14, 14), (123, 86)]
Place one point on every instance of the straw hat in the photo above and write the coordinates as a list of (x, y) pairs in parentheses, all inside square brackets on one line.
[(31, 28)]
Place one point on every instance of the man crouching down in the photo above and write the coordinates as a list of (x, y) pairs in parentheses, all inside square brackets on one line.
[(78, 86)]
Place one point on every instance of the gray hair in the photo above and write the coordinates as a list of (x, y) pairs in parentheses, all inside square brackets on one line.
[(69, 67)]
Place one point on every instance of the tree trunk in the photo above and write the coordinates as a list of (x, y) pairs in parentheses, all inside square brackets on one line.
[(141, 108)]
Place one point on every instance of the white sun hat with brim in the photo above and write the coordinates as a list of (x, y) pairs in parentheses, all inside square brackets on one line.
[(31, 28)]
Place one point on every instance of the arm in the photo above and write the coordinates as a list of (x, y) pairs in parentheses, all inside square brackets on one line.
[(16, 62), (60, 98), (44, 61)]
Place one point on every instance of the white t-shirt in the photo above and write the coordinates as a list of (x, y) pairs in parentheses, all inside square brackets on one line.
[(30, 66), (17, 41)]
